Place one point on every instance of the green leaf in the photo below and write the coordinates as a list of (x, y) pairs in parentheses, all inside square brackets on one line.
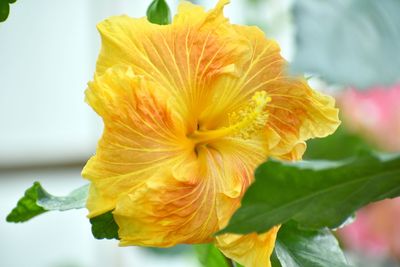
[(175, 250), (158, 12), (37, 201), (4, 10), (26, 207), (210, 256), (75, 200), (104, 226), (298, 248), (315, 194), (348, 42), (274, 259), (327, 148)]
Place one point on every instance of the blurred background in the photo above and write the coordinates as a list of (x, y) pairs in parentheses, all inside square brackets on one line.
[(48, 51)]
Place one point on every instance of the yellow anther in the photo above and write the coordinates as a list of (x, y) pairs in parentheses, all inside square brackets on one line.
[(243, 123)]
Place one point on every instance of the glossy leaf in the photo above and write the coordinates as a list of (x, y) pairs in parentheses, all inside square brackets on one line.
[(274, 259), (210, 256), (158, 12), (315, 194), (104, 226), (327, 148), (317, 248), (348, 42)]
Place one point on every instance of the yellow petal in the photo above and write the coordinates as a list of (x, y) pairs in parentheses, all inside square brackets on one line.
[(164, 212), (141, 135), (295, 113), (251, 250), (182, 206), (182, 58), (190, 110)]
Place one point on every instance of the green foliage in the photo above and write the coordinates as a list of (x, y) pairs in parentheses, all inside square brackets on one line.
[(340, 145), (26, 207), (315, 194), (5, 9), (210, 256), (317, 248), (348, 42), (37, 200), (175, 250), (75, 200), (274, 259), (255, 2), (158, 12), (104, 226)]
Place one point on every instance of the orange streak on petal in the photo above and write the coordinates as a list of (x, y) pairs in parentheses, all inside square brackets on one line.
[(165, 212), (141, 135)]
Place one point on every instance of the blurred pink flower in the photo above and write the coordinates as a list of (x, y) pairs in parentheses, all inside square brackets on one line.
[(376, 229), (374, 114)]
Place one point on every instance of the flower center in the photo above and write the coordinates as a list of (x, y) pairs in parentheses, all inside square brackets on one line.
[(242, 124)]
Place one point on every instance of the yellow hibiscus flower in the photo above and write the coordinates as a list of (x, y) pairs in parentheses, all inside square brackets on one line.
[(190, 109)]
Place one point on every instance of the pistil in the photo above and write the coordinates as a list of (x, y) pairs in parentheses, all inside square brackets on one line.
[(243, 123)]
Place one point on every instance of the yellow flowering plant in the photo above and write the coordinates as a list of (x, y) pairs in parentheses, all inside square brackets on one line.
[(190, 110)]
